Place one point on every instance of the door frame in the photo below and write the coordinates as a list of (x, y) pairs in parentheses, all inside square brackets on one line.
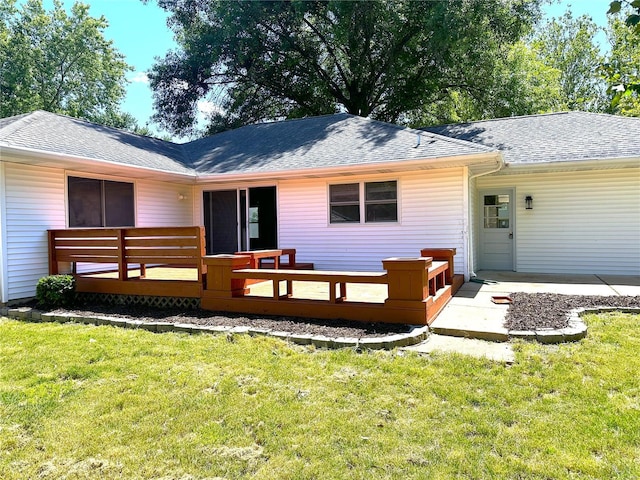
[(511, 191)]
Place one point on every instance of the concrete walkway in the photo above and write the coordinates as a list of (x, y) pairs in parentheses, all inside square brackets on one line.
[(500, 352), (472, 315)]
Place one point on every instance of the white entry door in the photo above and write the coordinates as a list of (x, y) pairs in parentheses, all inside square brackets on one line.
[(496, 230)]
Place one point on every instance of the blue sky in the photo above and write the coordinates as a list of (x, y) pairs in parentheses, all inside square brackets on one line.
[(140, 32)]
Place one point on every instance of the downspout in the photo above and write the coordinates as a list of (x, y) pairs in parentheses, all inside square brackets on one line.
[(470, 248)]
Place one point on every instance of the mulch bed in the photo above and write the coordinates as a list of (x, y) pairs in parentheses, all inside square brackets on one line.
[(303, 326), (549, 310), (527, 312)]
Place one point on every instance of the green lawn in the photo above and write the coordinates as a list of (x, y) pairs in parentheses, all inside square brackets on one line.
[(80, 401)]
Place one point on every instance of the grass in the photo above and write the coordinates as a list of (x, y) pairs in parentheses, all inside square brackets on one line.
[(100, 402)]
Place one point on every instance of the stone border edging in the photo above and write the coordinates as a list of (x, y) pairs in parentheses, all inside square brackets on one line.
[(387, 342), (576, 330)]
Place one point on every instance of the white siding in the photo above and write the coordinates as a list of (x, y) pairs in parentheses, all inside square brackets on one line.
[(430, 209), (581, 221), (35, 202), (158, 204)]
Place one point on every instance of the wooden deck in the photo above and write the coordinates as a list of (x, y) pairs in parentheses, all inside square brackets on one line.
[(170, 262)]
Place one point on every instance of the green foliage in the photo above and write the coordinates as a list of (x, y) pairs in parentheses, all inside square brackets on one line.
[(568, 45), (520, 84), (622, 71), (91, 402), (633, 14), (59, 62), (270, 60), (56, 291)]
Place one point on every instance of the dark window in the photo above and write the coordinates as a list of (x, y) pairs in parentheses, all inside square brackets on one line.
[(344, 203), (381, 201), (100, 203)]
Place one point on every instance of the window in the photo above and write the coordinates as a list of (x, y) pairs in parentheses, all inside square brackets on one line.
[(380, 202), (100, 203), (344, 203), (496, 211)]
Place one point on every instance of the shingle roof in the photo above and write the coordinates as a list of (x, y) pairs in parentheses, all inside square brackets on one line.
[(340, 140), (65, 135), (555, 137), (325, 141)]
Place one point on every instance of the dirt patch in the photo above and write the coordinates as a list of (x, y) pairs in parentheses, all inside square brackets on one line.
[(549, 310)]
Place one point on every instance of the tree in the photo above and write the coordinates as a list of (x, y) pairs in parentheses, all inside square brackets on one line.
[(568, 45), (622, 71), (623, 68), (520, 84), (264, 60), (59, 62)]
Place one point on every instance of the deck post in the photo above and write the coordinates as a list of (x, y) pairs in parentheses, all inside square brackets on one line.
[(219, 283), (408, 281), (53, 262), (123, 273), (202, 269)]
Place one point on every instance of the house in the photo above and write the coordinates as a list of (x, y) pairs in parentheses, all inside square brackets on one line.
[(552, 193), (568, 198)]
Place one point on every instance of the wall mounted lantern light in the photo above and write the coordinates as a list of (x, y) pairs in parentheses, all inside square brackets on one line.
[(528, 202), (182, 196)]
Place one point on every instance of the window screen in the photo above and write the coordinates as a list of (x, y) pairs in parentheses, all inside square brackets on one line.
[(100, 203)]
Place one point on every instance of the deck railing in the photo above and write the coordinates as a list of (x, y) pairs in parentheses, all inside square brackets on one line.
[(125, 249)]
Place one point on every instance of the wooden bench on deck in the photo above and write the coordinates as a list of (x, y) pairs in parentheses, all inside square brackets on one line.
[(436, 278), (416, 287), (289, 276)]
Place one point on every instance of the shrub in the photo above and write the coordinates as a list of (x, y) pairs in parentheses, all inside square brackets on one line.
[(56, 291)]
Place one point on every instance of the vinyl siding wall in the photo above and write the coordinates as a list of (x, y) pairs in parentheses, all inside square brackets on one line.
[(35, 202), (581, 221), (430, 214)]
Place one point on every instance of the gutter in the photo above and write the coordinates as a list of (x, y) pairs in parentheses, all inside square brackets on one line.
[(4, 288), (377, 167), (587, 164)]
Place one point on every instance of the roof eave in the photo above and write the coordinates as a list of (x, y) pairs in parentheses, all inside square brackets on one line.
[(494, 158), (31, 156)]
